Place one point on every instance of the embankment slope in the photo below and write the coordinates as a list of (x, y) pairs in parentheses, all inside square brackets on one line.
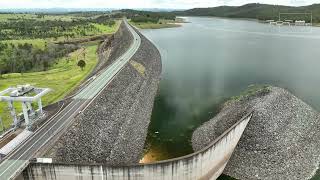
[(114, 127), (280, 142)]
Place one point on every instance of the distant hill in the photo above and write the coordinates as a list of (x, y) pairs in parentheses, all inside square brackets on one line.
[(54, 10), (68, 10), (254, 11)]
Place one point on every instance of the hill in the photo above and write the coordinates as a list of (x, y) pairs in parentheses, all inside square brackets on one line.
[(255, 11)]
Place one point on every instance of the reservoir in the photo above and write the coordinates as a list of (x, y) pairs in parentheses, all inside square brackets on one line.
[(209, 60)]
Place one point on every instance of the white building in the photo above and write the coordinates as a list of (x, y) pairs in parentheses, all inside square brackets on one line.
[(300, 23)]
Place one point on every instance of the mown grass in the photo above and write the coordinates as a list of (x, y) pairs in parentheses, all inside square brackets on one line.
[(161, 24), (62, 78)]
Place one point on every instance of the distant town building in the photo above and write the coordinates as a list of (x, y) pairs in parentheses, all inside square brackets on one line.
[(279, 22), (300, 23), (286, 23), (290, 17)]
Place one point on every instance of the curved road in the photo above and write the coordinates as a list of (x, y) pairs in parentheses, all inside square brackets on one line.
[(15, 162)]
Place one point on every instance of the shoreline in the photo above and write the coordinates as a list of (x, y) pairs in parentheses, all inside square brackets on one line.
[(246, 19), (162, 24)]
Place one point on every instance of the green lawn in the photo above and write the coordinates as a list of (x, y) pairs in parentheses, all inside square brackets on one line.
[(62, 78)]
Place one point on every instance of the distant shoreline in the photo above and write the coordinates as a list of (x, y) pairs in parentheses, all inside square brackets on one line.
[(246, 19)]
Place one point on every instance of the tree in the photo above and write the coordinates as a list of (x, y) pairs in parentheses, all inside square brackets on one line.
[(45, 65), (2, 67), (68, 58), (82, 64)]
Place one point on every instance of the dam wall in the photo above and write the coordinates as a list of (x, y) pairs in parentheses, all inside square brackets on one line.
[(207, 163), (113, 129)]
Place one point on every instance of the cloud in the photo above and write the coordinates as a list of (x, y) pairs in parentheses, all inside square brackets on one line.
[(176, 4)]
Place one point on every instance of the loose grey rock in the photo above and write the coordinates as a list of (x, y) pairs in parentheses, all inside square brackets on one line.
[(280, 142), (113, 129)]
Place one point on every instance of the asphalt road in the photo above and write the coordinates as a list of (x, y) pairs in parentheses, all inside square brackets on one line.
[(15, 162)]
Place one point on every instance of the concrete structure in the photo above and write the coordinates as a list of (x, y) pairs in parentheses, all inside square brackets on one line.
[(300, 23), (207, 163), (20, 94), (279, 23), (5, 150)]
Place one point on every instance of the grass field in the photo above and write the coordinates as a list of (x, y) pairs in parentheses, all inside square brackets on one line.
[(106, 29), (161, 24), (5, 17), (38, 43), (62, 78)]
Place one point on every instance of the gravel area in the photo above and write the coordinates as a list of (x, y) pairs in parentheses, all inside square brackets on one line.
[(280, 142), (114, 127)]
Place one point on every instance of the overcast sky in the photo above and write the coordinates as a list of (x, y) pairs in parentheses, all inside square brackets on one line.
[(172, 4)]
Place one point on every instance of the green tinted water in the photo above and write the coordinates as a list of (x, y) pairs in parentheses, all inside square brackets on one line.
[(211, 59)]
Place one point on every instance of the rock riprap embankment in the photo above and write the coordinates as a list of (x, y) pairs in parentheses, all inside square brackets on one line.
[(113, 47), (114, 127), (282, 140)]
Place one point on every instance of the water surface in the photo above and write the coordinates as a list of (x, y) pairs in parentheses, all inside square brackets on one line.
[(209, 60)]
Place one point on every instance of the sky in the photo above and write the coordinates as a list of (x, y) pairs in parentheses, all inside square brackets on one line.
[(119, 4)]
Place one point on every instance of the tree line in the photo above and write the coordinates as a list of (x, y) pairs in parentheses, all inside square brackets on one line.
[(26, 57), (20, 28), (146, 16), (256, 11)]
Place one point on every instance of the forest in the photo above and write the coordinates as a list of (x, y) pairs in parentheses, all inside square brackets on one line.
[(26, 57), (147, 16), (21, 28), (18, 56), (256, 11)]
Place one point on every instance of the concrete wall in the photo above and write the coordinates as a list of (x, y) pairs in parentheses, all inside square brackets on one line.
[(205, 164)]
